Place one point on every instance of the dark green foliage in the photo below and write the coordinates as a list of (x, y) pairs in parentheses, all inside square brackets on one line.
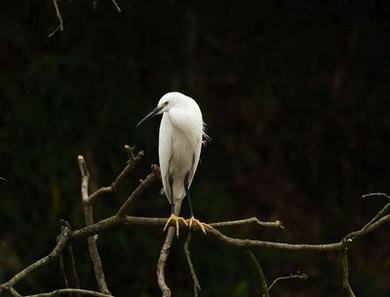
[(296, 97)]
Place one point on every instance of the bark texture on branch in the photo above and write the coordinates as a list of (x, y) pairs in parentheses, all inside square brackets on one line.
[(88, 217), (68, 266), (164, 254)]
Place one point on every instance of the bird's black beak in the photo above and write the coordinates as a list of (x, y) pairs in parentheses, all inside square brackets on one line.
[(149, 115)]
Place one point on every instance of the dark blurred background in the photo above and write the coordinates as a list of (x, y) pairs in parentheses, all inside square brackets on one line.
[(296, 98)]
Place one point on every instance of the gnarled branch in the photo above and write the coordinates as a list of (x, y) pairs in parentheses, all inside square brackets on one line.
[(190, 265)]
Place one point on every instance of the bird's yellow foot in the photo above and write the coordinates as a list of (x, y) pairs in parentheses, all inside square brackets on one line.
[(202, 226), (176, 219)]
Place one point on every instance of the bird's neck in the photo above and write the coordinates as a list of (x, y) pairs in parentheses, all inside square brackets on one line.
[(187, 122)]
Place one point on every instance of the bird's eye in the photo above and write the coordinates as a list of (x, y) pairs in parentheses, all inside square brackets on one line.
[(166, 103)]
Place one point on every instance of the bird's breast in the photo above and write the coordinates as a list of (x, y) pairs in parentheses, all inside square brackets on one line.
[(182, 154)]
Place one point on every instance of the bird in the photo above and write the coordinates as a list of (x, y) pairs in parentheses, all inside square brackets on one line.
[(181, 136)]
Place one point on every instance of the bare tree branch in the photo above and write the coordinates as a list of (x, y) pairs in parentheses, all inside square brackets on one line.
[(59, 17), (265, 289), (116, 6), (376, 225), (380, 214), (114, 221), (379, 219), (14, 292), (61, 21), (344, 263), (376, 194), (71, 291), (297, 275), (327, 247), (162, 260), (133, 158), (68, 267), (190, 265), (260, 274), (153, 176), (88, 216), (164, 254), (254, 220)]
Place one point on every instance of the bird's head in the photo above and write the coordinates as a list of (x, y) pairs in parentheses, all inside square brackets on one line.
[(169, 100)]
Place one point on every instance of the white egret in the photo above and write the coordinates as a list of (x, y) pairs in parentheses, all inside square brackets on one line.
[(180, 142)]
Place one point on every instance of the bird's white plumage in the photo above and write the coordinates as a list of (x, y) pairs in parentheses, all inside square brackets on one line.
[(180, 142)]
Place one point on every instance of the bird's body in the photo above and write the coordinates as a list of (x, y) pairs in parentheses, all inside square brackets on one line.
[(180, 144)]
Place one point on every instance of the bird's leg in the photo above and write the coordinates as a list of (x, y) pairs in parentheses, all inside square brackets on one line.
[(173, 216), (192, 219)]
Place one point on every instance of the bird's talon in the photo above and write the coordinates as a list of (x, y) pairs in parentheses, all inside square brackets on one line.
[(201, 225), (176, 219)]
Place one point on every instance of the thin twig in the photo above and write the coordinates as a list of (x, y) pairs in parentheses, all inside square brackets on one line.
[(153, 176), (190, 265), (376, 194), (380, 214), (344, 263), (61, 243), (383, 220), (379, 219), (320, 248), (88, 217), (297, 275), (260, 274), (116, 6), (68, 268), (59, 17), (254, 220), (132, 161), (84, 178), (71, 291)]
